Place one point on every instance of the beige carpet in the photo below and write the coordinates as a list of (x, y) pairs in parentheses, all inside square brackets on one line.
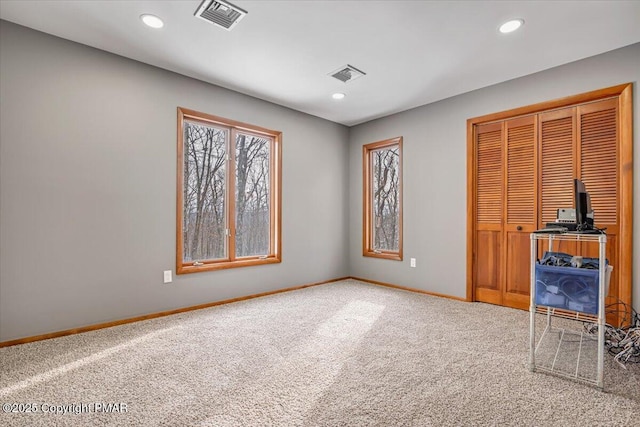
[(340, 354)]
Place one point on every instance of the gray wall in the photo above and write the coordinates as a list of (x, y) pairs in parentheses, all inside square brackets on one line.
[(87, 188), (435, 169)]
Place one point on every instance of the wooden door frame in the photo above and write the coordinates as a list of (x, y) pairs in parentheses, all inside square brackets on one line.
[(625, 131)]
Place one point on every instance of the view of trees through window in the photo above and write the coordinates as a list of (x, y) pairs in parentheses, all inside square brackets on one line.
[(206, 226), (252, 195), (386, 198), (204, 218)]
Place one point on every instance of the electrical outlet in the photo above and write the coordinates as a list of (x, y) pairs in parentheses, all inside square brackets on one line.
[(413, 262), (167, 276)]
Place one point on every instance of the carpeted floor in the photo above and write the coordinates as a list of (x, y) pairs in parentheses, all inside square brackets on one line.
[(340, 354)]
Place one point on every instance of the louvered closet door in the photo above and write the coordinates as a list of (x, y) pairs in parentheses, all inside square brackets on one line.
[(558, 168), (582, 142), (488, 210), (521, 172), (520, 206), (598, 166)]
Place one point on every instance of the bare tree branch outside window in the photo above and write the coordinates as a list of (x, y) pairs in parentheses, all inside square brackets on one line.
[(252, 195), (204, 215), (386, 199)]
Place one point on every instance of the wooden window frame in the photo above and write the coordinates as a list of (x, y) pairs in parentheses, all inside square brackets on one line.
[(275, 195), (367, 179)]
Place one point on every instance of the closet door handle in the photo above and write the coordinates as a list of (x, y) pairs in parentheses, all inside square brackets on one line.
[(519, 228)]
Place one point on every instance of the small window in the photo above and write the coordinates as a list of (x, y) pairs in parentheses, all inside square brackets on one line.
[(382, 165), (228, 209)]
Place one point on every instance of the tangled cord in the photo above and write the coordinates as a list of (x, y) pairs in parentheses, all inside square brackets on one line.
[(623, 342), (561, 259)]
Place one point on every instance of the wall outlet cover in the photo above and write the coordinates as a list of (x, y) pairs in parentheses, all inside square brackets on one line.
[(167, 276)]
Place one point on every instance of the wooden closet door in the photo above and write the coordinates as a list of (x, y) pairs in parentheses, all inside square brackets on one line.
[(587, 136), (487, 251), (582, 142), (520, 208), (598, 158), (558, 168)]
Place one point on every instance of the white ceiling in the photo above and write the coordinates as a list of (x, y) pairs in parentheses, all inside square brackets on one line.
[(414, 52)]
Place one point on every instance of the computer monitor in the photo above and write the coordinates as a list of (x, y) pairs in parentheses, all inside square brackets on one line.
[(582, 204)]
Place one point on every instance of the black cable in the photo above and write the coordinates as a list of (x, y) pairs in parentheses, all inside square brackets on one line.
[(623, 340)]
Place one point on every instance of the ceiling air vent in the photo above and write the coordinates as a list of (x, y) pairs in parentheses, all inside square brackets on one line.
[(220, 13), (347, 73)]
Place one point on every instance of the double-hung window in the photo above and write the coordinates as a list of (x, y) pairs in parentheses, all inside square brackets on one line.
[(228, 208), (382, 208)]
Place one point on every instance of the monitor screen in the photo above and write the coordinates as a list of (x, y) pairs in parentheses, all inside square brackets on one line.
[(582, 204)]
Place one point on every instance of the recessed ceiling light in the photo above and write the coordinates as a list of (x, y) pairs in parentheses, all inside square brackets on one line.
[(338, 95), (512, 25), (152, 21)]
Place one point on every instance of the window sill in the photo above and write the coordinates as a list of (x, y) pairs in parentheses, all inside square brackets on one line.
[(395, 256), (222, 265)]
